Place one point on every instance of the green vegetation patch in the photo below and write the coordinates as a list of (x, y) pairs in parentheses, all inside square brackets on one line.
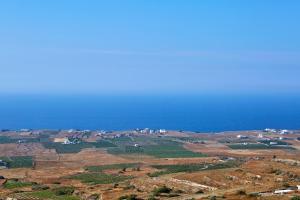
[(170, 169), (12, 184), (100, 178), (279, 142), (163, 149), (47, 194), (188, 139), (7, 140), (75, 148), (67, 148), (114, 166), (18, 161), (257, 146), (66, 190), (126, 150), (121, 140), (170, 151), (102, 144), (295, 198)]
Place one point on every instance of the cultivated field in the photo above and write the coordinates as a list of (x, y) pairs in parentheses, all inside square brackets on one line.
[(140, 164)]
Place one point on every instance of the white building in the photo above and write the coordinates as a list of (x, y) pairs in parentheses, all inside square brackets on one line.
[(273, 143), (270, 130), (284, 132), (67, 141), (283, 191), (162, 131), (241, 137)]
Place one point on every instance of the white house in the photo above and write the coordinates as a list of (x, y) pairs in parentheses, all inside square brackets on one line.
[(162, 131), (283, 191), (241, 137), (270, 130), (284, 132), (273, 143), (67, 141)]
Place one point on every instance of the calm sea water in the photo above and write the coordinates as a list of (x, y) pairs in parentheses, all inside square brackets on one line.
[(196, 113)]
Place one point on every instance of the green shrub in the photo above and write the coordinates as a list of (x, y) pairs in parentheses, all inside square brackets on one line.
[(200, 191), (213, 198), (241, 192), (254, 194), (94, 197), (39, 187), (152, 198), (59, 191), (129, 197), (163, 189)]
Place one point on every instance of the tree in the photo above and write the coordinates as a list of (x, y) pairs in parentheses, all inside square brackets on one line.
[(295, 198)]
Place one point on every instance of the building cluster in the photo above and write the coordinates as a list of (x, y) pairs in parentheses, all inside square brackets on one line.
[(151, 131), (282, 131), (73, 136)]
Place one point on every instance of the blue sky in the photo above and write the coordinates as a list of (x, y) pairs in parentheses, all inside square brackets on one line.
[(139, 46)]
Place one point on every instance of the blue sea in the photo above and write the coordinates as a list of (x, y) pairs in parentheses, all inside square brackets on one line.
[(203, 113)]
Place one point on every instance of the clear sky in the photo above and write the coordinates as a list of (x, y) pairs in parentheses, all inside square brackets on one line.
[(149, 46)]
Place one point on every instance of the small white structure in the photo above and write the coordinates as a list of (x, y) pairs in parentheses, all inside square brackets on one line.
[(283, 191), (283, 132), (136, 145), (260, 135), (270, 130), (145, 130), (67, 141), (273, 143), (162, 131), (258, 177), (298, 186), (241, 137)]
